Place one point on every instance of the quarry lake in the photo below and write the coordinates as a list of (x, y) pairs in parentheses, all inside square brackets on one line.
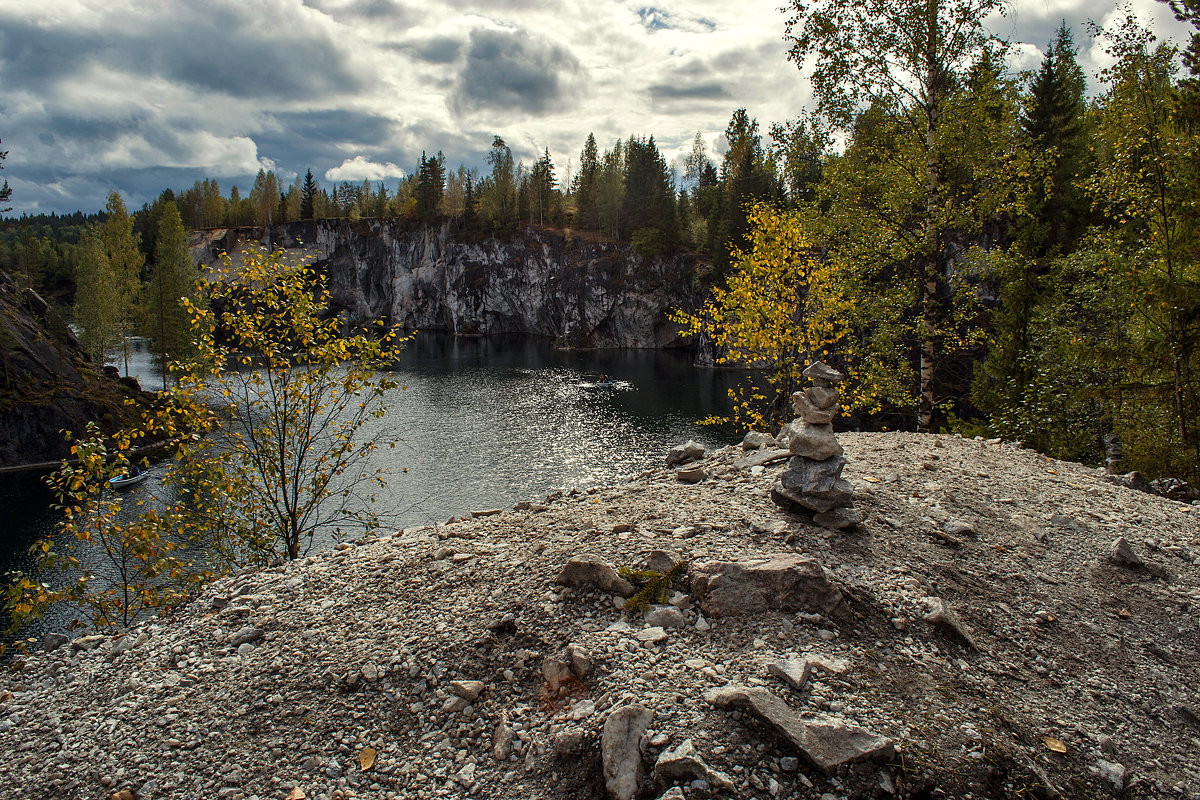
[(485, 422)]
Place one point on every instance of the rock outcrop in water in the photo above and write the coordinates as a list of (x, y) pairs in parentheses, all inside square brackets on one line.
[(47, 382), (579, 293)]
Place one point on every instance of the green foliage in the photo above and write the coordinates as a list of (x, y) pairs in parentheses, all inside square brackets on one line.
[(431, 181), (653, 587), (308, 197), (173, 278), (648, 242), (97, 299)]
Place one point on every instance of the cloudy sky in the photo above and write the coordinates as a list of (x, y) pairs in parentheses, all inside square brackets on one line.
[(139, 96)]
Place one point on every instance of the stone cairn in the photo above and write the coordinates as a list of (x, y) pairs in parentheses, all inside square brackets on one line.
[(813, 478)]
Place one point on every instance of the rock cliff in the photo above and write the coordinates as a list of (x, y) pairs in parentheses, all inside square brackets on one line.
[(47, 382), (580, 293)]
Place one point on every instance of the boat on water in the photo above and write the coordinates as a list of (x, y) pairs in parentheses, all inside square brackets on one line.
[(128, 480)]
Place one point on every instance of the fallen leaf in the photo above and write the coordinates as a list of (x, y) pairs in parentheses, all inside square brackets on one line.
[(296, 794), (869, 479), (1052, 471), (1055, 745), (1124, 612), (366, 759)]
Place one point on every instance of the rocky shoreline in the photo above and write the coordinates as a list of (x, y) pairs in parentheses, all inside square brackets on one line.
[(1000, 624)]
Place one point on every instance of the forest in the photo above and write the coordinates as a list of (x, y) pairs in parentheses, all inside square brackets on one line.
[(991, 252)]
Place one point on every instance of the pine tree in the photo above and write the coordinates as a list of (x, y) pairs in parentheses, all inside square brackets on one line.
[(746, 180), (308, 197), (649, 198), (1053, 121)]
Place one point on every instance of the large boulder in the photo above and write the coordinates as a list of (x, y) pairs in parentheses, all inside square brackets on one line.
[(775, 583)]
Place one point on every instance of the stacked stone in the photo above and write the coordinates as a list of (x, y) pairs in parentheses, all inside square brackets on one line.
[(813, 478)]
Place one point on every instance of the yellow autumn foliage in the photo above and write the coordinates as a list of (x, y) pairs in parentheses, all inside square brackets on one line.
[(782, 309)]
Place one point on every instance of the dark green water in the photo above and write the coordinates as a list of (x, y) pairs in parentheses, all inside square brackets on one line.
[(484, 423)]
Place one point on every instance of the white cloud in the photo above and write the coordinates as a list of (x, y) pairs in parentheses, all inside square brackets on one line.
[(126, 96), (359, 168)]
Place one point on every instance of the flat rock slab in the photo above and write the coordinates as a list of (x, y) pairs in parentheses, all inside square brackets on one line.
[(775, 583), (824, 742), (761, 458)]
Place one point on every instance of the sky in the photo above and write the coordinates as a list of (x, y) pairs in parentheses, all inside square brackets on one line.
[(139, 96)]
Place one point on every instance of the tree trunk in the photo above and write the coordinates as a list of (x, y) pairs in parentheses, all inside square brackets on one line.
[(930, 313)]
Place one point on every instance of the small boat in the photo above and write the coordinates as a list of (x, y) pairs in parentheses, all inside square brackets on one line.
[(605, 382), (125, 481)]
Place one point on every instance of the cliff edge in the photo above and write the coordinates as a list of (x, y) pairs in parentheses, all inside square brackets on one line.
[(424, 276)]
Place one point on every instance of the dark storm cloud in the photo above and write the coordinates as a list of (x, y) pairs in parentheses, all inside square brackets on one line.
[(514, 70), (382, 10), (320, 137), (435, 50), (208, 51), (699, 91), (31, 56)]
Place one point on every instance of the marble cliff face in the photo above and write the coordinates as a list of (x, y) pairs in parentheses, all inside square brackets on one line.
[(579, 293)]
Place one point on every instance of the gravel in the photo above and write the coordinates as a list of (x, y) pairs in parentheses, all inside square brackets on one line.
[(1023, 658)]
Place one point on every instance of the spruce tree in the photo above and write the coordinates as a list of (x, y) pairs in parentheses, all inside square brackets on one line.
[(308, 197), (586, 217), (173, 278), (1053, 120)]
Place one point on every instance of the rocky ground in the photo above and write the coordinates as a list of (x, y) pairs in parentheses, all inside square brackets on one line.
[(975, 637)]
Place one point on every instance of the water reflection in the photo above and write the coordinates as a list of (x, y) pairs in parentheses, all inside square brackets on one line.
[(482, 423)]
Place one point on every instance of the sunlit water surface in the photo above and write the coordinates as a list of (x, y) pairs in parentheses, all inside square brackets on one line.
[(483, 423)]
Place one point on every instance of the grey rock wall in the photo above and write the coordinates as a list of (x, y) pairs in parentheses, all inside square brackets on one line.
[(579, 293)]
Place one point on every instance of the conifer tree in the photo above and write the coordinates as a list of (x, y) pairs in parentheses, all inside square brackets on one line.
[(125, 260), (585, 186), (431, 181), (5, 191), (97, 309), (173, 278), (308, 196)]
